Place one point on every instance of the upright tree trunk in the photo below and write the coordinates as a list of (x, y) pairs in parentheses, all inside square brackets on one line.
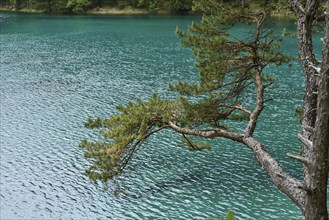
[(17, 5), (242, 3), (49, 6), (315, 116), (316, 175)]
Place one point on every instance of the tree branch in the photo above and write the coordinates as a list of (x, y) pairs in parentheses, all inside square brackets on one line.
[(305, 141), (259, 100), (317, 69), (310, 6), (291, 187), (207, 134), (136, 146), (296, 6), (240, 107), (298, 157)]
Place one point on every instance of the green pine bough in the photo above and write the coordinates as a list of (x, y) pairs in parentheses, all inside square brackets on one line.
[(203, 107), (231, 69)]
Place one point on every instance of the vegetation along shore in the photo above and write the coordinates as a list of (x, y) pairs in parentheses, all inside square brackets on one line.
[(114, 7)]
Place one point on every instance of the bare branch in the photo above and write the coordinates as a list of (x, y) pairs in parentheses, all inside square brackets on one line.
[(305, 141), (136, 146), (207, 134), (188, 141), (317, 69), (259, 103), (298, 157), (265, 86), (240, 107)]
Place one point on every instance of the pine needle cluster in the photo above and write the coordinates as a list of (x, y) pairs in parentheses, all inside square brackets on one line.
[(230, 68)]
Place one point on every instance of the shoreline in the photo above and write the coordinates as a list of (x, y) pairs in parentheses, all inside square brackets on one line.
[(23, 10), (94, 11), (107, 10), (116, 11)]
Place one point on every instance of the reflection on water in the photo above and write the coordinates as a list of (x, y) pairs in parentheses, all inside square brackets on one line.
[(56, 72)]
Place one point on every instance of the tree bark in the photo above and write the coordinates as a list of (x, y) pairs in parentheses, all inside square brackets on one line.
[(49, 6), (279, 177), (315, 116), (316, 175), (311, 195), (17, 5)]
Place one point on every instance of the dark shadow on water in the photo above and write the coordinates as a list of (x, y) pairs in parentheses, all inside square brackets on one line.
[(177, 182)]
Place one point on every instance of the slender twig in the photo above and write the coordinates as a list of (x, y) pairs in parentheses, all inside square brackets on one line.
[(240, 107), (305, 141), (189, 142), (298, 157), (137, 145)]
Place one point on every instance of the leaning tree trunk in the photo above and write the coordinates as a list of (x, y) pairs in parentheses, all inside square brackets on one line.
[(315, 116)]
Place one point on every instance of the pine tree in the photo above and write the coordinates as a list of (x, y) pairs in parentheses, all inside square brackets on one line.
[(230, 68)]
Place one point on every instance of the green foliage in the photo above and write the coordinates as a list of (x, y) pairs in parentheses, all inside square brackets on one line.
[(179, 5), (227, 65), (150, 5), (175, 6), (228, 70), (124, 133), (167, 5), (230, 216), (16, 3), (78, 6), (192, 145), (49, 6), (280, 5), (298, 112)]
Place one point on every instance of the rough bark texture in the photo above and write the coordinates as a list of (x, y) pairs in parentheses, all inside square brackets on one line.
[(311, 195), (280, 178), (316, 172), (315, 117)]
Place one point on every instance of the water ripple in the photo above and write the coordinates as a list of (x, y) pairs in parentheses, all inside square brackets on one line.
[(56, 72)]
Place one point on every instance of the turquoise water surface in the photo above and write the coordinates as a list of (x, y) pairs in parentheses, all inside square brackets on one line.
[(58, 71)]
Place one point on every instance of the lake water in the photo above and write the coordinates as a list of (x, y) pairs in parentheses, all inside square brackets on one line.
[(58, 71)]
